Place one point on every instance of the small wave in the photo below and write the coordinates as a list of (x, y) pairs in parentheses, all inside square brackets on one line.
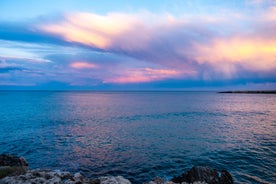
[(255, 178)]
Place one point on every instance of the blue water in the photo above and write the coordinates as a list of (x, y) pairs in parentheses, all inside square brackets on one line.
[(141, 135)]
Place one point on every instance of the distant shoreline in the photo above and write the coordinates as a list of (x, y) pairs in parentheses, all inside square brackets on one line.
[(251, 92)]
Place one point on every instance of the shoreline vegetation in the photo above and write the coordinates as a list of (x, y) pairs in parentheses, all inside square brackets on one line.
[(15, 169), (251, 92)]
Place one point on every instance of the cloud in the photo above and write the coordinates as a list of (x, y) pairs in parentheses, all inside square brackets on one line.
[(144, 47), (252, 53), (83, 65), (270, 2), (90, 29), (9, 69), (141, 75), (34, 60), (270, 15), (6, 67)]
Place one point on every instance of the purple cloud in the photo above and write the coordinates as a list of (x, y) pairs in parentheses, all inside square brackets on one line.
[(121, 48)]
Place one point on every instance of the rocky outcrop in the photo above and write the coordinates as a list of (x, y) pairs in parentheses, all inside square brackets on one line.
[(48, 177), (197, 175), (205, 174), (58, 177), (14, 170), (12, 165)]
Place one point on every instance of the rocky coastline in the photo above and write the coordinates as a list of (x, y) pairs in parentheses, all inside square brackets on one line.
[(15, 170)]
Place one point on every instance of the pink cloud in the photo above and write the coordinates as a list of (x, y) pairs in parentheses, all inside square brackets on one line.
[(83, 65), (270, 15), (91, 29), (173, 42), (260, 1), (113, 30), (251, 53), (147, 75)]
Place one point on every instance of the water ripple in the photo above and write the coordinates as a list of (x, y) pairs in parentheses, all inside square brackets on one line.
[(141, 135)]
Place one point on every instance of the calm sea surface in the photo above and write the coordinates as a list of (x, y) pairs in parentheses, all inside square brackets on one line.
[(141, 135)]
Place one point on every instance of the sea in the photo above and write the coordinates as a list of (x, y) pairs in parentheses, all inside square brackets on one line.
[(142, 134)]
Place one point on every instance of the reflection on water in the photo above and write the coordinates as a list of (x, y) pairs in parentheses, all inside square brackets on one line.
[(141, 135)]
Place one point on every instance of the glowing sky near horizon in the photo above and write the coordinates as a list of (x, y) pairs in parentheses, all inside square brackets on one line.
[(174, 45)]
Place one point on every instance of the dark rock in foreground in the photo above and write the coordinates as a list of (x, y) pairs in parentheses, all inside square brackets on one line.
[(205, 174), (14, 170), (12, 165)]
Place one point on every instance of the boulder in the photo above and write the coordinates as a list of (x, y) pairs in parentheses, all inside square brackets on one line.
[(12, 165), (114, 180), (205, 175)]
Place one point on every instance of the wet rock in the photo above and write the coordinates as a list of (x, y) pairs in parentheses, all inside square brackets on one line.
[(204, 174), (114, 180), (12, 165)]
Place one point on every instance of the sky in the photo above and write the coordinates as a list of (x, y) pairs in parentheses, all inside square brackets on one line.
[(138, 45)]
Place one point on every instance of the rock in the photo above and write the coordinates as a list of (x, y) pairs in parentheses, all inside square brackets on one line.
[(159, 180), (48, 177), (14, 170), (226, 177), (9, 160), (205, 174), (114, 180), (12, 165), (78, 177)]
